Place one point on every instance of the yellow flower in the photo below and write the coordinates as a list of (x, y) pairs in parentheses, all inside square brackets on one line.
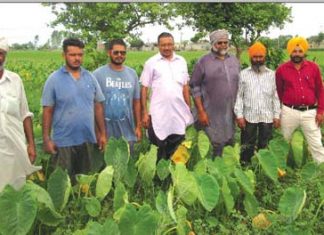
[(281, 173), (261, 221), (181, 155)]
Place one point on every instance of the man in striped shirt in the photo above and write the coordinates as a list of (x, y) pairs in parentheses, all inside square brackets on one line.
[(257, 106)]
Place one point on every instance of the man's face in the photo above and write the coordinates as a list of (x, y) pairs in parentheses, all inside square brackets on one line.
[(221, 46), (2, 58), (297, 55), (258, 60), (117, 54), (73, 57), (166, 46)]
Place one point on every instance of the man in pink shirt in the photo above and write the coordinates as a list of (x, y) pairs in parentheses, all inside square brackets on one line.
[(301, 92), (166, 74)]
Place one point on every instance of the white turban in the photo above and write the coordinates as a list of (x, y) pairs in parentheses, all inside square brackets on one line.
[(4, 44), (217, 35)]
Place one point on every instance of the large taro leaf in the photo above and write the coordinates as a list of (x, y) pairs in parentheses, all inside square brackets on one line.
[(297, 148), (292, 202), (17, 210), (208, 190), (279, 149), (227, 196), (162, 169), (110, 227), (95, 228), (182, 224), (161, 203), (46, 210), (143, 221), (268, 164), (170, 203), (191, 133), (244, 181), (309, 171), (203, 144), (251, 205), (131, 173), (59, 188), (104, 182), (233, 153), (201, 166), (223, 168), (120, 196), (146, 165), (117, 155), (185, 184)]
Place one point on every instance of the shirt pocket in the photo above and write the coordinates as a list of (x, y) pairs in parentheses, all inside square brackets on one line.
[(11, 106)]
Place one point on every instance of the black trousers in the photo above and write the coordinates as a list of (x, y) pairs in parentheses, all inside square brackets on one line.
[(167, 146), (253, 132)]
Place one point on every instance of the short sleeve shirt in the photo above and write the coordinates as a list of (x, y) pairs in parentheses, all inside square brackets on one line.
[(73, 101), (169, 111), (120, 89)]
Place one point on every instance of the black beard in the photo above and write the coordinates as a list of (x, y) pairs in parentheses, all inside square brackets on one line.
[(296, 59), (257, 64)]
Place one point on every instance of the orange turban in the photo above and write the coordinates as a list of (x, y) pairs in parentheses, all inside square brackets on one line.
[(297, 42), (257, 49)]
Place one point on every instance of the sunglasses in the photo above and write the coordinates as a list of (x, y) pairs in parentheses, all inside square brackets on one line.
[(119, 52), (222, 42)]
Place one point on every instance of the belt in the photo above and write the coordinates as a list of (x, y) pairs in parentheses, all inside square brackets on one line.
[(301, 107)]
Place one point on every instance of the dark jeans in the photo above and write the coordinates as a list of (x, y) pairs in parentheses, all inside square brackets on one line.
[(167, 146), (75, 159), (250, 134)]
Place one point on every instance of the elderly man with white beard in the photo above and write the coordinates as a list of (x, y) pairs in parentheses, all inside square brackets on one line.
[(214, 85)]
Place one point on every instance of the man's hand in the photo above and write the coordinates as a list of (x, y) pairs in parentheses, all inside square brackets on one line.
[(319, 119), (241, 123), (145, 120), (138, 133), (31, 150), (203, 118), (276, 123), (49, 147), (102, 141)]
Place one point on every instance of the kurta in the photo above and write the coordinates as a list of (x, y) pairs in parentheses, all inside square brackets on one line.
[(216, 82), (14, 160)]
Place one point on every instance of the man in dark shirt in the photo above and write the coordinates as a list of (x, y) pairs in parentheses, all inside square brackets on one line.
[(300, 90)]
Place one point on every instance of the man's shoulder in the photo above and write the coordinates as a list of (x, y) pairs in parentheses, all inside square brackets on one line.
[(12, 75), (100, 69), (153, 59)]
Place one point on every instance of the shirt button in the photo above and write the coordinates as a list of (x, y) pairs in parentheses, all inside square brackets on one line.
[(303, 97)]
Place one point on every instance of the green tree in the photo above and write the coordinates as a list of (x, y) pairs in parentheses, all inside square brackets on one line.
[(247, 19), (103, 21), (136, 42)]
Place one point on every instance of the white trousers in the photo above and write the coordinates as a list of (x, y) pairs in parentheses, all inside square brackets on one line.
[(292, 119)]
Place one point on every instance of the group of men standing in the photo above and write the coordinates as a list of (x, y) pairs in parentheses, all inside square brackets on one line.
[(81, 110)]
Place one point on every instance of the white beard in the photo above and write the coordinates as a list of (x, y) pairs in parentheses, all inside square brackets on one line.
[(221, 52)]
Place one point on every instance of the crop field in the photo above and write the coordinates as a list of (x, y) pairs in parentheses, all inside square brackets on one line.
[(281, 192)]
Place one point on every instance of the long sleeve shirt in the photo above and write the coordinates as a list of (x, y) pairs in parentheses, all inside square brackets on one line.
[(300, 87), (257, 99)]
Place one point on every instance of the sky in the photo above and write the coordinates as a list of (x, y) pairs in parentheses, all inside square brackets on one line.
[(21, 22)]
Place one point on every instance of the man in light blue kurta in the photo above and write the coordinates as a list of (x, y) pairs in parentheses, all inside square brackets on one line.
[(120, 87)]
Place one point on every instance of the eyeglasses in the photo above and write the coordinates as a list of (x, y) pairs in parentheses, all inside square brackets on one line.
[(119, 52), (222, 42)]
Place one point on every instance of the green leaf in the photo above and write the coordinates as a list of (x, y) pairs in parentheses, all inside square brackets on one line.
[(110, 227), (185, 184), (162, 169), (297, 147), (120, 196), (203, 144), (104, 182), (244, 181), (191, 133), (292, 202), (46, 212), (131, 173), (92, 206), (161, 203), (17, 210), (208, 191), (117, 155), (321, 190), (232, 153), (268, 164), (279, 149), (147, 165), (227, 196), (182, 225), (59, 188), (201, 166), (309, 171), (170, 203), (251, 205)]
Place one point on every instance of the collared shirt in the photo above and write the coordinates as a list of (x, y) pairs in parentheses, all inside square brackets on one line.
[(73, 101), (257, 99), (168, 109), (216, 82), (13, 97), (300, 87)]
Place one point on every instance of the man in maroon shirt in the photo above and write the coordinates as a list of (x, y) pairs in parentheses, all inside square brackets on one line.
[(301, 92)]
